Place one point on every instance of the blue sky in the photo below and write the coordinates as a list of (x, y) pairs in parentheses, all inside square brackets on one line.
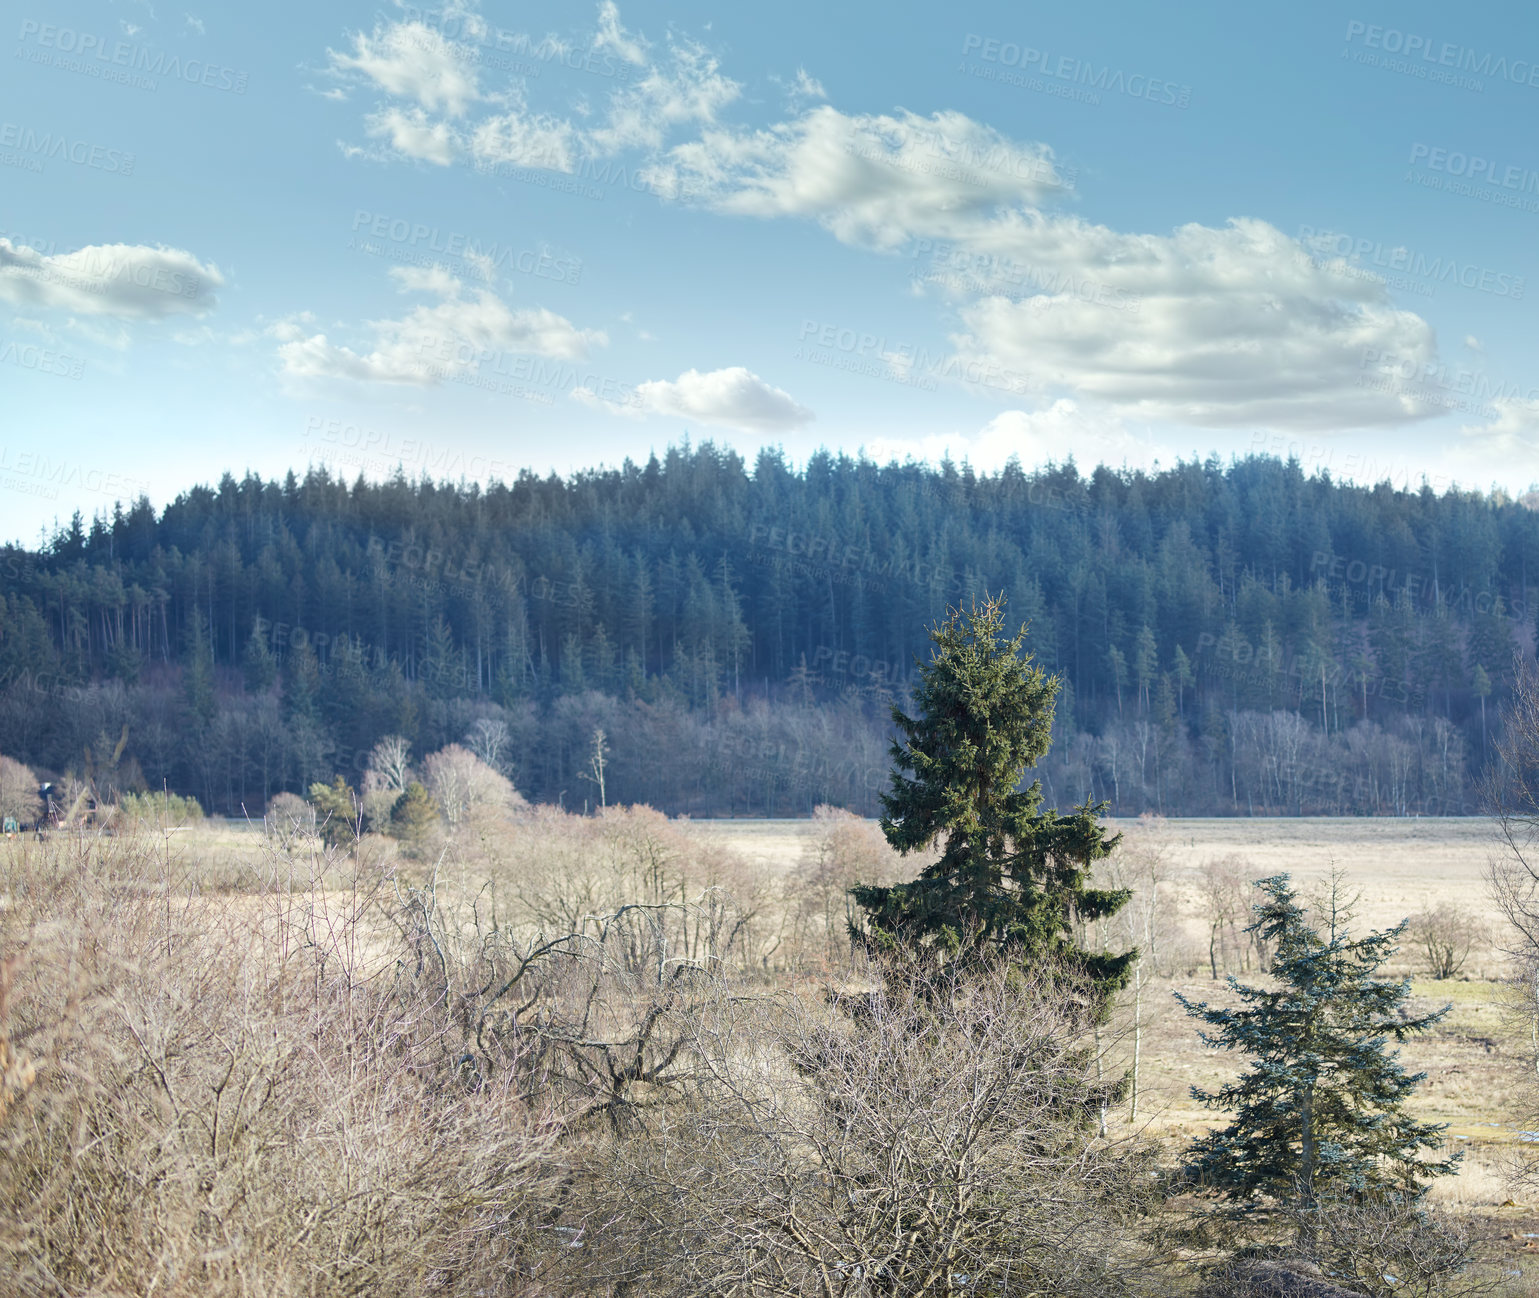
[(475, 239)]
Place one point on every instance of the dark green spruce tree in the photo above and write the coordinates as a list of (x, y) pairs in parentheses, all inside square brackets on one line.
[(1320, 1113), (1012, 879)]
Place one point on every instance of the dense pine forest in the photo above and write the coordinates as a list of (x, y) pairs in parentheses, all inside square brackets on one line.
[(1234, 639)]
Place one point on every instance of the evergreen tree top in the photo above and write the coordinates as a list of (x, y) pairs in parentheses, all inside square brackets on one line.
[(1010, 876), (1321, 1105)]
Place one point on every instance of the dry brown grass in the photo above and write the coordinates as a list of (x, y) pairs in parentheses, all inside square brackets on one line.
[(219, 1099)]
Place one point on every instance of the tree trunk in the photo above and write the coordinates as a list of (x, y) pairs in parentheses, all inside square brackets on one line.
[(1307, 1159), (1138, 1036)]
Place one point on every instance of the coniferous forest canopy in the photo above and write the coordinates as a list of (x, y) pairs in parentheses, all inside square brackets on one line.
[(1233, 639)]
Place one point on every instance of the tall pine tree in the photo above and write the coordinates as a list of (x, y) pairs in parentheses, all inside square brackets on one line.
[(1320, 1113), (1012, 879)]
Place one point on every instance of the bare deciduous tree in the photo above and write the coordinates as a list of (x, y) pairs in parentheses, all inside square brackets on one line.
[(390, 762), (598, 761), (1446, 934), (466, 787), (491, 741), (19, 799), (1512, 790), (289, 819), (1141, 865), (1225, 890), (844, 850)]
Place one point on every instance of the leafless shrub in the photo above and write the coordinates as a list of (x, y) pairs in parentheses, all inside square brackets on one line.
[(1445, 935), (248, 1096), (19, 799), (1512, 791), (466, 788), (844, 850), (1376, 1247), (290, 819), (930, 1138), (709, 904), (1225, 893), (1273, 1278)]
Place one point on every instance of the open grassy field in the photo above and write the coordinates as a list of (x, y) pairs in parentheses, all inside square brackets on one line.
[(1399, 866)]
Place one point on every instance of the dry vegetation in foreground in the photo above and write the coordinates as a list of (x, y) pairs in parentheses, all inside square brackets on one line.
[(556, 1054)]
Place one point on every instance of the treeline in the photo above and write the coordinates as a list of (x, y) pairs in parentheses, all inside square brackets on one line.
[(1233, 638)]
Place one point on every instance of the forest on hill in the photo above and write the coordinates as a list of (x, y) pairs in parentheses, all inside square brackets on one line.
[(1233, 638)]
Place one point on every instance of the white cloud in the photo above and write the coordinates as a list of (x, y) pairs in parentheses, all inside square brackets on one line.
[(613, 36), (807, 87), (1514, 431), (1213, 327), (1050, 434), (448, 339), (522, 139), (484, 264), (876, 181), (415, 62), (1216, 327), (291, 328), (194, 23), (690, 90), (732, 398), (129, 281), (411, 134), (438, 281), (437, 81)]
